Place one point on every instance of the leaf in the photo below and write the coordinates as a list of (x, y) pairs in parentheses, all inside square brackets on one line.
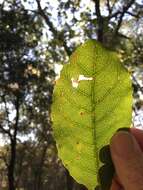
[(92, 99)]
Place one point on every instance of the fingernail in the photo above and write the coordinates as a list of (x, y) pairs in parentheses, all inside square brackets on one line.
[(122, 144), (124, 129)]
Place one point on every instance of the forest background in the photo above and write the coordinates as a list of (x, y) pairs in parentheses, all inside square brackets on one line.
[(36, 39)]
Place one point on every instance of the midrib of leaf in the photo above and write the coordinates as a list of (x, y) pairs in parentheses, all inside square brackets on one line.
[(93, 115)]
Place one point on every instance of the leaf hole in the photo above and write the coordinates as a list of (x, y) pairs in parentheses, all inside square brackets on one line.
[(75, 82)]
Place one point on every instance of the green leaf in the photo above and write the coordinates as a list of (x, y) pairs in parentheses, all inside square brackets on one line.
[(92, 99)]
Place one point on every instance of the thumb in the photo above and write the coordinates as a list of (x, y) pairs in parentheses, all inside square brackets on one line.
[(128, 160)]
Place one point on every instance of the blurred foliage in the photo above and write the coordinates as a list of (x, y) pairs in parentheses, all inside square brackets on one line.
[(34, 35)]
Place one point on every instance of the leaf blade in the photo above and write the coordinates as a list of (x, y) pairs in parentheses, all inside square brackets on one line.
[(84, 113)]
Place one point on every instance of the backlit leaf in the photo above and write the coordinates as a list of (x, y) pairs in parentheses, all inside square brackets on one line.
[(91, 100)]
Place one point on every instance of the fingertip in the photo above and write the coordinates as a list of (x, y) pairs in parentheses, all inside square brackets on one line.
[(128, 160), (121, 144)]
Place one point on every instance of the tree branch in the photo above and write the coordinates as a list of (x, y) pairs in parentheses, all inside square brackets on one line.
[(52, 28), (114, 15), (138, 85), (132, 14), (17, 106), (124, 11), (114, 3), (123, 36), (5, 131), (99, 21), (46, 18), (109, 7), (97, 8)]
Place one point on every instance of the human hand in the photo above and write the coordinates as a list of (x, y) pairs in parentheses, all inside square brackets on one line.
[(127, 155)]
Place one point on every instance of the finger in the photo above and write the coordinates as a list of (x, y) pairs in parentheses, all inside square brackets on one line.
[(115, 185), (128, 160)]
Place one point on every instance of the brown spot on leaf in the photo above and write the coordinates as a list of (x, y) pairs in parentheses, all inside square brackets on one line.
[(78, 158), (81, 113)]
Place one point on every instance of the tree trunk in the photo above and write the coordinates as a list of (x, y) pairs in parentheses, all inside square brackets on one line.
[(100, 31), (12, 162), (100, 21), (11, 166), (38, 174)]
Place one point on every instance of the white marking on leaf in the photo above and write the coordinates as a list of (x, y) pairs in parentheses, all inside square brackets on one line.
[(75, 82), (82, 77)]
